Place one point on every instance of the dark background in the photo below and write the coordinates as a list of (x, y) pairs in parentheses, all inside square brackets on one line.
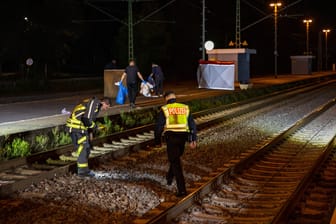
[(70, 36)]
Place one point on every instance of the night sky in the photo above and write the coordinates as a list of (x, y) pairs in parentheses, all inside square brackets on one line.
[(72, 36)]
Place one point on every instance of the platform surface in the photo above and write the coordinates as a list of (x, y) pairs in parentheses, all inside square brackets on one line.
[(42, 111)]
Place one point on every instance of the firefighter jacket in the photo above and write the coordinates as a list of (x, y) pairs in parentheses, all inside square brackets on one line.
[(175, 117), (84, 115)]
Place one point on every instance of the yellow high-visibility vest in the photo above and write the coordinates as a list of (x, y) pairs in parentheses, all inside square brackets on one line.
[(176, 117)]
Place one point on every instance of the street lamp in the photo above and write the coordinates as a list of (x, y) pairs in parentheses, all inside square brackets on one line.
[(307, 22), (326, 31), (275, 5)]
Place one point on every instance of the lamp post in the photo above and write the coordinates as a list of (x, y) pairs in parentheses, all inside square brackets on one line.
[(307, 22), (326, 31), (275, 5)]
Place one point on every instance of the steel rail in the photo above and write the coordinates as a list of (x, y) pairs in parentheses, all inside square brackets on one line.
[(173, 211), (50, 171)]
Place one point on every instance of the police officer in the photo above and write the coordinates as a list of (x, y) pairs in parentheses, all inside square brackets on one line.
[(178, 126), (80, 125)]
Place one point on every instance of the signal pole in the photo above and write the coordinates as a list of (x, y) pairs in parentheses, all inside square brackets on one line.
[(238, 40), (130, 31), (130, 24), (203, 29)]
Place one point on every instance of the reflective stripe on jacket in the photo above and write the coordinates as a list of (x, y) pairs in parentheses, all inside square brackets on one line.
[(176, 115), (88, 109)]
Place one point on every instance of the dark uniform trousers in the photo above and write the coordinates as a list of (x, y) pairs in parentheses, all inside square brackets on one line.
[(175, 148), (82, 148), (158, 86), (132, 89)]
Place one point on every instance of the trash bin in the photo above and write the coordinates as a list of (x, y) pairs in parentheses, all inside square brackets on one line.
[(302, 64)]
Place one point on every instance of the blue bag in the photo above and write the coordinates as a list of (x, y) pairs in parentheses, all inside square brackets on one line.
[(124, 90), (121, 95)]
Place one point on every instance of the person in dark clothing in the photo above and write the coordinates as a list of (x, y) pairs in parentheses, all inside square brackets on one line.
[(158, 77), (80, 125), (111, 65), (178, 126), (132, 74)]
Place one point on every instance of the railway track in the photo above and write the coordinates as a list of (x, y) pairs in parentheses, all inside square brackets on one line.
[(318, 198), (263, 186), (120, 145), (19, 173)]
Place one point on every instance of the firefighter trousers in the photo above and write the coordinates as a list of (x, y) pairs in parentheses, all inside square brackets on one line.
[(82, 149)]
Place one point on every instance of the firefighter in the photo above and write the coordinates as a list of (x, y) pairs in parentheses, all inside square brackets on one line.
[(177, 125), (80, 125)]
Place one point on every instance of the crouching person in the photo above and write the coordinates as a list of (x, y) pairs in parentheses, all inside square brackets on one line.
[(79, 124)]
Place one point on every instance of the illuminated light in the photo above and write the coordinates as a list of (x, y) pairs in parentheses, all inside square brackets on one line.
[(209, 45), (275, 4), (307, 21)]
